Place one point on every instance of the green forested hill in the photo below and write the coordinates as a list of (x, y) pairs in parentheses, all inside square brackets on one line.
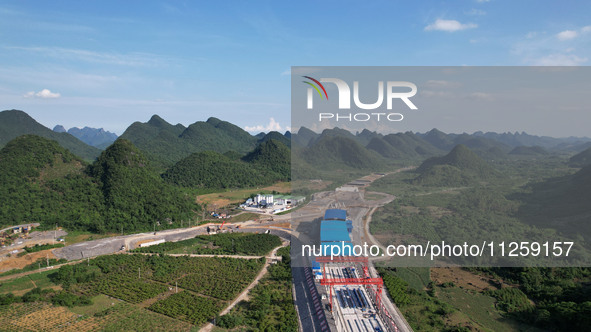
[(15, 123), (458, 168), (271, 156), (561, 202), (159, 140), (528, 151), (209, 169), (581, 159), (276, 136), (42, 182), (402, 146), (267, 163), (133, 192), (339, 152), (385, 149), (303, 137), (165, 144)]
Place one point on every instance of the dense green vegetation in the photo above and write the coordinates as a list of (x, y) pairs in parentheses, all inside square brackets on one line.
[(270, 307), (528, 151), (277, 136), (402, 146), (212, 170), (272, 158), (165, 144), (41, 181), (581, 159), (528, 201), (561, 296), (59, 298), (560, 202), (133, 192), (268, 163), (188, 307), (16, 123), (45, 183), (219, 244), (337, 152), (205, 283), (204, 286), (421, 309), (459, 167)]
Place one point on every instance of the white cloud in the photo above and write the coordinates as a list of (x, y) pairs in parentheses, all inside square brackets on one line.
[(449, 26), (45, 94), (271, 126), (567, 35), (559, 60), (572, 34)]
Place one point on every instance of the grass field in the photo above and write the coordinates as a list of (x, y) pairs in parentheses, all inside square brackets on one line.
[(479, 308), (417, 277), (99, 303), (21, 285)]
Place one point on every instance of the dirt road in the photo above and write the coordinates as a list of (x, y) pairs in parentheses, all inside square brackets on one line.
[(244, 295)]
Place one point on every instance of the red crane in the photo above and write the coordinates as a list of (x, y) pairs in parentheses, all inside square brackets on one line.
[(331, 282), (367, 281)]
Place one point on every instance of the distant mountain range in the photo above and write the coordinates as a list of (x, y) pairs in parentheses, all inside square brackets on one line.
[(137, 177), (418, 146), (92, 136)]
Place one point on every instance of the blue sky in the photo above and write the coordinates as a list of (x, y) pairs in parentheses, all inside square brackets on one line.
[(110, 63)]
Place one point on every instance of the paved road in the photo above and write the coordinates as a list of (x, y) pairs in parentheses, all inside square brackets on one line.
[(357, 208), (113, 244), (308, 303)]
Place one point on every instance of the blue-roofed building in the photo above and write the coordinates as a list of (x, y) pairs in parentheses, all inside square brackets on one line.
[(335, 214), (334, 231)]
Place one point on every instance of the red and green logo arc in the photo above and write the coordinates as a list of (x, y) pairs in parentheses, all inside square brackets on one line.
[(316, 86)]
